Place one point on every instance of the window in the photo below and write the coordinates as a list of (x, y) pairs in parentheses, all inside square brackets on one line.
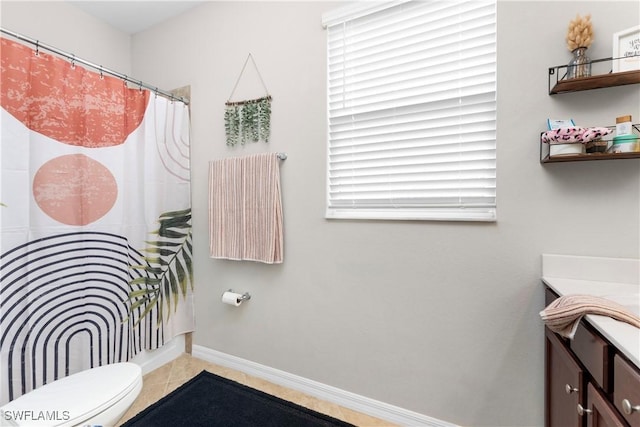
[(412, 110)]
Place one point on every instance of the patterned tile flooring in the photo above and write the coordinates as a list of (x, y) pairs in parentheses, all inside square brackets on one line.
[(170, 376)]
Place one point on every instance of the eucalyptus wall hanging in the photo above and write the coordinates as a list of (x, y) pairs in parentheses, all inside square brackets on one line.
[(248, 120)]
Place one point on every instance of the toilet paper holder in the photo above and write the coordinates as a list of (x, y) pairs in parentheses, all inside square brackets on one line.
[(244, 297)]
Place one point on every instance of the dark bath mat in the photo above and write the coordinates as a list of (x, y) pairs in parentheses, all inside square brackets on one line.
[(208, 400)]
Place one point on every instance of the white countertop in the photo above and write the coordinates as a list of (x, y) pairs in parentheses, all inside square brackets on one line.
[(612, 278)]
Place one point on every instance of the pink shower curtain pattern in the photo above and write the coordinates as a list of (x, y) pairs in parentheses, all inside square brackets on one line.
[(95, 178)]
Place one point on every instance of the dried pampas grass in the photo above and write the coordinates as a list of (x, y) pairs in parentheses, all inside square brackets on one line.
[(580, 32)]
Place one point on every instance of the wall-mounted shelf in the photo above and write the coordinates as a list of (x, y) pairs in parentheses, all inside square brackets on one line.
[(546, 158), (558, 83), (589, 156), (596, 82)]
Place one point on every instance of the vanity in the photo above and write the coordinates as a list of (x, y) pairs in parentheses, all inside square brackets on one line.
[(593, 380)]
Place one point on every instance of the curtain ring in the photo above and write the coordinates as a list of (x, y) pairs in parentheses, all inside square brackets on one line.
[(140, 86), (73, 62), (37, 47), (101, 75)]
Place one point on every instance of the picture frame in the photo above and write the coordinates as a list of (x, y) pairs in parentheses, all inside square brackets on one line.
[(626, 46)]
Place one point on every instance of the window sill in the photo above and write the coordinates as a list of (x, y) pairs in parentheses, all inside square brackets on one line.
[(468, 214)]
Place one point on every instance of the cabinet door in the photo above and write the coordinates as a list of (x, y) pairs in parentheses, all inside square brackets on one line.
[(626, 390), (601, 414), (564, 385)]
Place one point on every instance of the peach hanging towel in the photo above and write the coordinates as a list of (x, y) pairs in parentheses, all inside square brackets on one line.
[(245, 209), (563, 314)]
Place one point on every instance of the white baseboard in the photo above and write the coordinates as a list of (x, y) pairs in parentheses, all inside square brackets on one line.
[(325, 392), (149, 360)]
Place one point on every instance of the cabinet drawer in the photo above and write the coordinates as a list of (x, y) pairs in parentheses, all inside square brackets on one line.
[(549, 296), (593, 352), (626, 390)]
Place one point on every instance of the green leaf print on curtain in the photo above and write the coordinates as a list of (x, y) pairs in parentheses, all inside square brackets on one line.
[(169, 270)]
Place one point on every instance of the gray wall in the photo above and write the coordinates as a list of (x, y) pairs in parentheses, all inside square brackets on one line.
[(439, 318), (64, 26)]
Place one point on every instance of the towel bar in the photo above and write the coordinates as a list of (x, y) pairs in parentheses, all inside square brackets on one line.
[(282, 156)]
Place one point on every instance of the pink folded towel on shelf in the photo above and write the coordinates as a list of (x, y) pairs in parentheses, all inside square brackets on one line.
[(563, 315), (245, 209)]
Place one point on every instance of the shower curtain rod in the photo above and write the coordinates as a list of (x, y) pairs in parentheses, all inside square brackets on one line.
[(102, 69)]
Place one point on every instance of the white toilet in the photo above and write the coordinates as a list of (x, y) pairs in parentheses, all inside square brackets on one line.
[(95, 397)]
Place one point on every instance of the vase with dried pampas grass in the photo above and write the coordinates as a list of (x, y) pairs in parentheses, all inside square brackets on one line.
[(579, 38)]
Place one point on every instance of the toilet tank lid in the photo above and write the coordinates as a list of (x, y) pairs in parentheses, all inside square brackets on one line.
[(69, 400)]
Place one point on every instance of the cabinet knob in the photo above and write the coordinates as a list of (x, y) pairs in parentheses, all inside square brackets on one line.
[(568, 389), (628, 408), (583, 411)]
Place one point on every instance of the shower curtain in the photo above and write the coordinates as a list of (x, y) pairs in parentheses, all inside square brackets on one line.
[(96, 244)]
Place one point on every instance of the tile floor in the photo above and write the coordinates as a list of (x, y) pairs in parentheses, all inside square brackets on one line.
[(168, 377)]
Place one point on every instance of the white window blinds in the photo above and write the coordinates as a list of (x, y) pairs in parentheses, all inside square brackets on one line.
[(412, 111)]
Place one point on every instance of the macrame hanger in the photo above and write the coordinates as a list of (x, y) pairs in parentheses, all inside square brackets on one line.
[(240, 76), (248, 120)]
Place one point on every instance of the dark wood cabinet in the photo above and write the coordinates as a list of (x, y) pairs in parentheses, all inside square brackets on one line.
[(564, 384), (588, 381), (593, 353), (600, 412), (626, 390)]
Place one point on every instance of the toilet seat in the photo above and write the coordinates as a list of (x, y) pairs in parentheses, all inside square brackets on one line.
[(71, 400)]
